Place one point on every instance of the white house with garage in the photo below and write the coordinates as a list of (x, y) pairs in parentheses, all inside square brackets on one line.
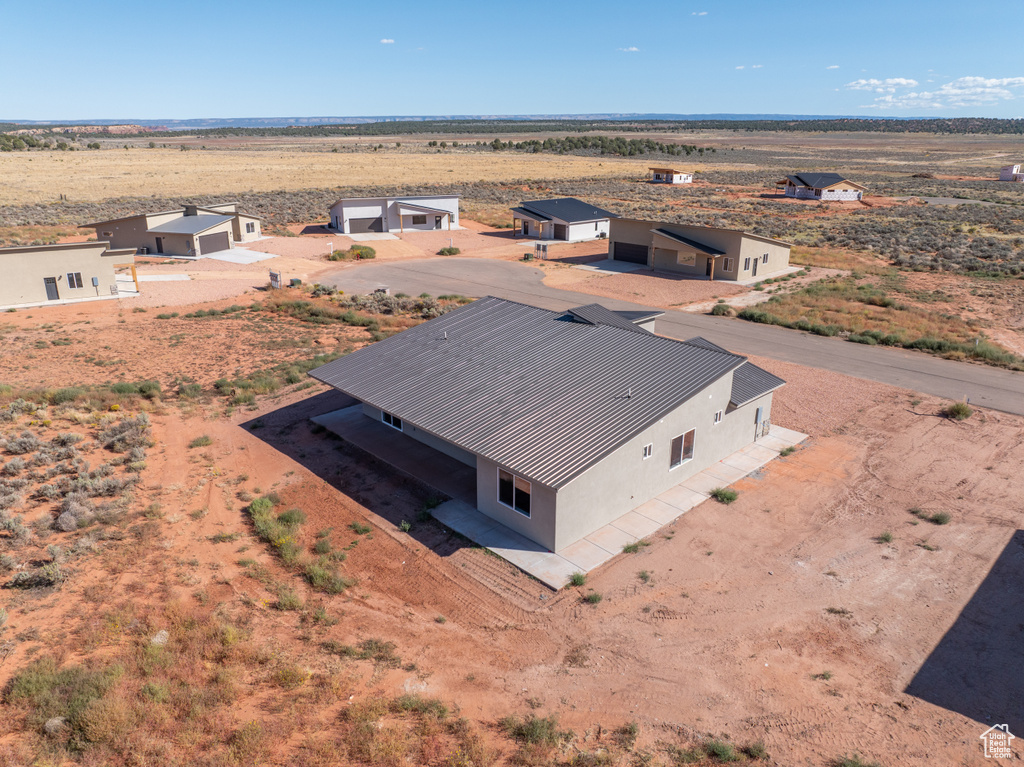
[(670, 176), (1012, 173), (829, 187), (361, 215), (565, 219), (192, 231)]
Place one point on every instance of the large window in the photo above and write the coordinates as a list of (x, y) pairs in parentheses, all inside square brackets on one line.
[(250, 227), (746, 264), (513, 492), (393, 421), (74, 279), (729, 264), (682, 449), (418, 220)]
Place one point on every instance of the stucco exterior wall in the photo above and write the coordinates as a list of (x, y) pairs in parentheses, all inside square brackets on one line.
[(1011, 173), (625, 479), (750, 248), (238, 229), (539, 526), (588, 230), (387, 209), (440, 445), (26, 268)]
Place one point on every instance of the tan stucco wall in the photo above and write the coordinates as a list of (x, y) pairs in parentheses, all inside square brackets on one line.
[(25, 269)]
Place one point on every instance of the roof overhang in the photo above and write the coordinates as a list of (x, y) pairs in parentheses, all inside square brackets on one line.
[(524, 213), (676, 239), (420, 208)]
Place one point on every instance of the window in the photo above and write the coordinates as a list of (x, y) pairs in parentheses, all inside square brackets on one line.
[(74, 279), (682, 449), (648, 451), (393, 421), (595, 226), (764, 259), (250, 227), (419, 220), (746, 264), (718, 417), (108, 234), (514, 492), (729, 264)]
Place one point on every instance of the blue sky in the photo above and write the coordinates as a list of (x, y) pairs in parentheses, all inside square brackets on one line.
[(227, 58)]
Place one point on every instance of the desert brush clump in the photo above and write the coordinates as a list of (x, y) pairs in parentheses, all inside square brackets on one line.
[(132, 431)]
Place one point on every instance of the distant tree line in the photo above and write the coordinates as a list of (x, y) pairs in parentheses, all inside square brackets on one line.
[(9, 143), (599, 145)]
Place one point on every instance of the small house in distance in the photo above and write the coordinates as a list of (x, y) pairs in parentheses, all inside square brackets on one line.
[(192, 231), (41, 274), (670, 176), (566, 219), (1012, 173), (820, 186), (567, 419), (364, 215), (697, 251)]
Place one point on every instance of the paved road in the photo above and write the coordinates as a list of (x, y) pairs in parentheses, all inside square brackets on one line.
[(987, 386)]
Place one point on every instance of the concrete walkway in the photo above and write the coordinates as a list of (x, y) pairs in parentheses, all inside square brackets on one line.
[(240, 256), (457, 480)]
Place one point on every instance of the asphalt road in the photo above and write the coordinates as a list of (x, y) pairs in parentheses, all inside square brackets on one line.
[(983, 385)]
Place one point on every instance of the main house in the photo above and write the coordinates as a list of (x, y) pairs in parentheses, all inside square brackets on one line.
[(60, 273), (566, 219), (570, 419), (1012, 173), (722, 254), (357, 215), (670, 176), (189, 231), (820, 186)]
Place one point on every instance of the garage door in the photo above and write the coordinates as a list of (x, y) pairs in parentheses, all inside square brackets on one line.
[(560, 232), (211, 243), (358, 225), (627, 251)]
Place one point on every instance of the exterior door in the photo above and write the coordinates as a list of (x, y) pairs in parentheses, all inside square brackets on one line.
[(753, 268), (707, 268), (51, 288), (159, 244), (437, 222)]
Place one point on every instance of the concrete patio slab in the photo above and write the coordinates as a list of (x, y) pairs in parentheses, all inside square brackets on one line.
[(240, 256), (584, 554), (742, 462), (703, 483), (635, 524), (658, 511), (726, 473), (759, 452), (371, 236), (610, 266), (682, 498), (611, 539)]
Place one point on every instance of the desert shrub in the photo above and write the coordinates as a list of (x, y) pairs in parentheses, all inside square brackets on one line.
[(534, 730), (577, 579), (958, 411), (324, 577), (126, 434), (66, 439), (626, 735), (106, 720), (721, 751), (723, 310), (202, 441), (356, 252), (292, 517), (417, 704), (27, 442), (13, 467), (449, 251), (62, 396), (47, 575), (593, 598), (724, 495), (75, 510)]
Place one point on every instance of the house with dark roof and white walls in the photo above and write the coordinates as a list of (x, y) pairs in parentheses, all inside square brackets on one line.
[(670, 176), (697, 251), (191, 231), (566, 219), (821, 186), (568, 419), (366, 215)]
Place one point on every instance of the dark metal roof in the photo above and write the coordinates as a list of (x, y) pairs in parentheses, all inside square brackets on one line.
[(190, 224), (522, 387), (748, 380), (530, 214), (595, 314), (704, 343), (641, 316), (568, 209), (816, 180), (689, 243)]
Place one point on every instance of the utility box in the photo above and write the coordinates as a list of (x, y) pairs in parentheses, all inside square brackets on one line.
[(275, 279), (540, 250)]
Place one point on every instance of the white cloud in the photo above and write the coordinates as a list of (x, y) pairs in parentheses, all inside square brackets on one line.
[(630, 49), (834, 66), (740, 67), (961, 92), (758, 66), (888, 85), (387, 41), (700, 13)]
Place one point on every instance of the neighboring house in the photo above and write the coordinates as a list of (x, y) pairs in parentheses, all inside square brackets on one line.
[(190, 231), (724, 254), (563, 219), (670, 176), (820, 186), (60, 273), (1012, 173), (357, 215), (570, 419)]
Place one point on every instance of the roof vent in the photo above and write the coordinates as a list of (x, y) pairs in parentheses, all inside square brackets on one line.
[(191, 210)]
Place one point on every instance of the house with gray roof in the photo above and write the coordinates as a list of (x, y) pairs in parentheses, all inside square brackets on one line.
[(569, 419), (410, 213), (701, 252), (820, 186), (191, 231), (565, 219)]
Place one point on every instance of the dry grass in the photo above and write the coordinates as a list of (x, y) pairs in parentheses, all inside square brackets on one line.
[(34, 177)]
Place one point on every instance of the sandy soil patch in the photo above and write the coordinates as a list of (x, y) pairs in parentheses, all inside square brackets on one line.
[(646, 286)]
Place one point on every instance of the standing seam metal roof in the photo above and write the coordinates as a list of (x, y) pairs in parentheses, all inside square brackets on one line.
[(595, 314), (568, 209), (190, 224), (519, 386), (816, 180), (748, 380), (669, 235)]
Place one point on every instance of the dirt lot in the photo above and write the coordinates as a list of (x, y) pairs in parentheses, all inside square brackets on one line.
[(787, 617)]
